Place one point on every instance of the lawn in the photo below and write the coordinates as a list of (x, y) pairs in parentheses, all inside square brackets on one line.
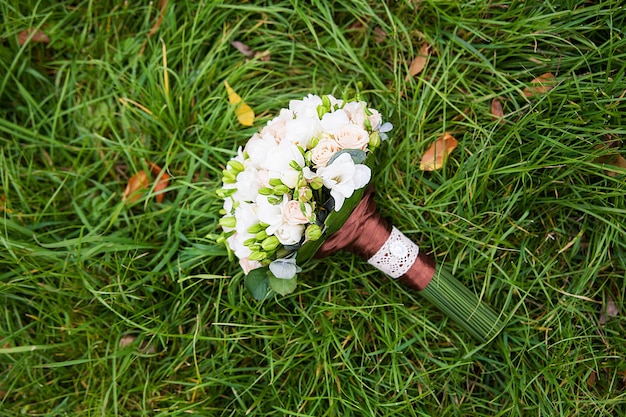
[(113, 306)]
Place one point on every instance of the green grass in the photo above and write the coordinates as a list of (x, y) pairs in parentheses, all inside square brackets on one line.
[(522, 213)]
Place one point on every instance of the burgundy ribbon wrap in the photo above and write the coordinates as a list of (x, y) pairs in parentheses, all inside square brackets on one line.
[(365, 232)]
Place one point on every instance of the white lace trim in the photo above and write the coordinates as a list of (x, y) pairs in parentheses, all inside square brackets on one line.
[(396, 256)]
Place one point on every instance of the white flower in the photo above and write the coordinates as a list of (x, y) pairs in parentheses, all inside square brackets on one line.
[(270, 214), (323, 151), (352, 137), (375, 119), (247, 185), (235, 243), (355, 112), (307, 107), (342, 177), (259, 149), (277, 127), (293, 214), (279, 163), (300, 131), (289, 234), (334, 121), (284, 268)]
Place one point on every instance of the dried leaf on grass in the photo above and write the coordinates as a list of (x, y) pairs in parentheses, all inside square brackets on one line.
[(540, 85), (244, 113), (419, 62), (37, 36), (437, 154), (497, 112), (140, 182), (613, 159), (155, 28), (135, 187), (608, 310), (249, 52), (163, 181)]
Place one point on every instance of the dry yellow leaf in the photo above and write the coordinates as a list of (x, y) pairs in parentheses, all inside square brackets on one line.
[(37, 36), (540, 85), (244, 113), (419, 62), (435, 156)]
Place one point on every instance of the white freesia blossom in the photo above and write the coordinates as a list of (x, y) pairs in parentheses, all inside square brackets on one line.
[(279, 163), (307, 107), (270, 214), (247, 184), (284, 268), (355, 112), (334, 121), (342, 177)]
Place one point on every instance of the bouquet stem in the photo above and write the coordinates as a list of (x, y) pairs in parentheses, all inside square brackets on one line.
[(368, 235)]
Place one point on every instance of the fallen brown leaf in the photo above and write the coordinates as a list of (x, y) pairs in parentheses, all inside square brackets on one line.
[(243, 48), (437, 154), (540, 85), (612, 159), (591, 380), (497, 112), (163, 180), (419, 62), (379, 35), (37, 36), (135, 187)]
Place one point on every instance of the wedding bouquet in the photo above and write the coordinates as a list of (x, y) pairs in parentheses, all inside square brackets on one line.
[(298, 189)]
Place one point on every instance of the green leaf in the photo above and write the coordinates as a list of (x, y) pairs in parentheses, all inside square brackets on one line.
[(283, 286), (257, 282), (358, 156)]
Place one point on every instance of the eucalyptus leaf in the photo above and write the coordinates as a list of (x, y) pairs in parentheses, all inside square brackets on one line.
[(358, 156), (283, 286), (257, 282)]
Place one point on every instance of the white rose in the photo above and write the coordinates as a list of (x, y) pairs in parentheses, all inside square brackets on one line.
[(342, 177), (293, 214), (323, 151), (352, 137), (289, 234), (334, 121)]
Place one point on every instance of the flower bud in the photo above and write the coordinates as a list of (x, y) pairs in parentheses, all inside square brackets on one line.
[(294, 165), (228, 176), (228, 221), (281, 189), (256, 228), (257, 256), (270, 243), (261, 235), (313, 232), (266, 191), (316, 183), (236, 165), (374, 140), (275, 182), (305, 194)]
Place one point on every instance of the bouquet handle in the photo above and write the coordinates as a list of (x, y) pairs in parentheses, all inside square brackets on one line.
[(370, 236)]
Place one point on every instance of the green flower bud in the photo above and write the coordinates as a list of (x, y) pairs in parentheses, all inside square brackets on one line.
[(313, 232), (294, 165), (228, 175), (270, 243), (236, 165), (326, 102), (256, 228), (275, 182), (316, 183), (305, 194), (281, 189), (261, 235), (266, 191), (228, 221), (257, 256), (374, 140), (249, 242)]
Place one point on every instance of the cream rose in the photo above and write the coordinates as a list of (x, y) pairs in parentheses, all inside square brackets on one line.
[(323, 151), (290, 234), (352, 137), (293, 214)]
